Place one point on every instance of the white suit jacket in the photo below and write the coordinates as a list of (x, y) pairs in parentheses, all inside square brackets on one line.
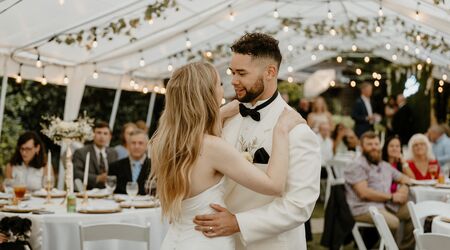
[(268, 222)]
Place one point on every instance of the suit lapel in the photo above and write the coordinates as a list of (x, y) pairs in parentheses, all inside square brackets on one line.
[(94, 160), (128, 170), (230, 132)]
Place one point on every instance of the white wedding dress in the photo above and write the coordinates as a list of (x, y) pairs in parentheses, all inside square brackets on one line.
[(183, 236)]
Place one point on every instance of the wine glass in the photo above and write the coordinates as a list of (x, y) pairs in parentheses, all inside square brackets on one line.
[(19, 188), (8, 187), (48, 182), (111, 182), (132, 191), (433, 171)]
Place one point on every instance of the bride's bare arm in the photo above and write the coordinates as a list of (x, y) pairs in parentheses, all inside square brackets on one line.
[(231, 163), (228, 110)]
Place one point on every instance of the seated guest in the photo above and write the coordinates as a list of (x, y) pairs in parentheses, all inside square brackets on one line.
[(441, 144), (351, 141), (136, 167), (368, 183), (121, 149), (29, 161), (392, 153), (338, 136), (421, 165), (325, 142), (319, 114), (100, 157)]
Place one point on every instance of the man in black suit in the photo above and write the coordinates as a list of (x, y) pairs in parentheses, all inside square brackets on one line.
[(362, 111), (136, 167), (403, 121), (100, 157)]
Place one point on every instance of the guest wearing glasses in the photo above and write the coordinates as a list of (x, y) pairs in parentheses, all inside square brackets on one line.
[(28, 164)]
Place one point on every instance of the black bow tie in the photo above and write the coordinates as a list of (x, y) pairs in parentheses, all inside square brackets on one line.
[(253, 113)]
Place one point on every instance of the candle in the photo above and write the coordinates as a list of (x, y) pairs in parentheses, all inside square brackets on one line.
[(49, 165), (86, 170)]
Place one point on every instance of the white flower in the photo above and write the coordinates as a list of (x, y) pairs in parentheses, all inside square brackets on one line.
[(58, 129)]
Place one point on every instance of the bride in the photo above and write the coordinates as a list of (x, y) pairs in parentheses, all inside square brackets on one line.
[(190, 160)]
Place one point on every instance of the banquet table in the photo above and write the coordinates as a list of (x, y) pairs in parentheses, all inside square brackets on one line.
[(429, 193), (439, 226), (61, 230)]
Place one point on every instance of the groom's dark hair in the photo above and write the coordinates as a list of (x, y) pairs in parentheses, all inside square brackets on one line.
[(258, 45)]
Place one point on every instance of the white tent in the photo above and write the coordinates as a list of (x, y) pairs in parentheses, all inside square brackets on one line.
[(26, 27)]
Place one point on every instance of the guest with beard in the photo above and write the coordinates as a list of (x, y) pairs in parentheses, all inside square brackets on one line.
[(368, 183)]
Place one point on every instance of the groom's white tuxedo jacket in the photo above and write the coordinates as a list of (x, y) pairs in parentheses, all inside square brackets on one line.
[(268, 222)]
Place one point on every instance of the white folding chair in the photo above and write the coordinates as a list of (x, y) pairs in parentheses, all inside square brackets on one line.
[(357, 235), (117, 231), (387, 240), (431, 241), (331, 181), (421, 210)]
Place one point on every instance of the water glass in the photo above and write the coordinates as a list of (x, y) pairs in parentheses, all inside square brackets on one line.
[(111, 183), (132, 190)]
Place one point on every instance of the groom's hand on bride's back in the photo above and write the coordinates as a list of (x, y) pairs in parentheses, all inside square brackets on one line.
[(222, 223)]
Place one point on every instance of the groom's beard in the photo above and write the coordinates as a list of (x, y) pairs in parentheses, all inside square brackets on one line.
[(256, 90)]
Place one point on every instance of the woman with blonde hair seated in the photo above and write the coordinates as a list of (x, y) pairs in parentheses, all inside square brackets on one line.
[(319, 114), (421, 164)]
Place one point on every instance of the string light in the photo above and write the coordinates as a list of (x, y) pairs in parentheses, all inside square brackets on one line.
[(394, 57), (358, 71), (378, 29), (19, 75), (321, 47), (366, 59), (388, 46), (417, 50), (441, 83), (378, 76), (374, 75), (136, 86), (141, 61), (332, 31), (231, 15), (188, 42), (169, 67), (95, 73), (417, 12), (275, 13), (290, 79), (150, 21), (428, 60), (419, 66), (290, 69), (38, 62), (354, 47), (156, 89), (313, 57), (339, 59), (440, 89), (95, 43), (380, 10), (332, 83), (286, 28), (418, 37), (353, 84), (208, 54), (444, 77), (406, 47), (229, 72), (44, 79), (65, 79), (132, 82), (163, 91), (376, 83), (290, 47), (223, 101), (145, 90)]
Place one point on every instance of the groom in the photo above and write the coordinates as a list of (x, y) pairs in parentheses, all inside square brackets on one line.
[(259, 221)]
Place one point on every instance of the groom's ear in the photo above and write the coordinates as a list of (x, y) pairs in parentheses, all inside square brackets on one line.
[(271, 72)]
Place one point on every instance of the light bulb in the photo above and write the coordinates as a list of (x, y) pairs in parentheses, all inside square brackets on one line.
[(332, 83), (444, 77), (419, 67), (150, 21), (145, 90), (366, 59), (156, 89), (286, 28), (374, 75), (44, 80), (332, 31), (378, 29), (417, 50), (132, 83), (66, 80), (417, 15), (290, 79), (229, 72), (163, 91), (406, 47), (290, 69), (95, 74), (313, 57), (275, 13), (358, 71), (339, 59), (388, 46), (354, 47), (353, 84), (394, 57), (441, 82), (19, 78), (142, 62), (330, 15), (38, 62), (321, 47), (95, 43), (428, 60), (440, 89), (169, 67), (231, 16), (380, 11), (418, 37), (376, 83), (188, 43), (290, 47), (223, 101), (208, 54), (379, 76)]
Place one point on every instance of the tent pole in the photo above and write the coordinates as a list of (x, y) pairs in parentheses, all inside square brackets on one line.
[(3, 94), (112, 119), (151, 107)]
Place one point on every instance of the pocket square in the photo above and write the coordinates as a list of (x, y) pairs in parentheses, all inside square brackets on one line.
[(261, 156)]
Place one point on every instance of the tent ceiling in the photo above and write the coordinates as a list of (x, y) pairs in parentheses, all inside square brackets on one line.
[(30, 24)]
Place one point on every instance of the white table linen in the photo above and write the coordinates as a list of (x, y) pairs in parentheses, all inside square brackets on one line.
[(60, 230), (439, 226), (429, 193)]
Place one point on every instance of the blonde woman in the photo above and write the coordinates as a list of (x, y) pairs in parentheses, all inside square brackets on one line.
[(189, 159), (422, 165), (319, 114)]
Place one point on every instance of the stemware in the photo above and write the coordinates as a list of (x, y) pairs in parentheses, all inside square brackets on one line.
[(132, 191), (48, 182), (111, 183)]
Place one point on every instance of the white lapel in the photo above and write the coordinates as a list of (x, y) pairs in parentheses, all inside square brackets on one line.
[(231, 129)]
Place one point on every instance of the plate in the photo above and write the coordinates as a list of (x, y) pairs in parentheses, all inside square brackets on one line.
[(439, 185), (445, 219), (95, 193), (5, 196), (55, 193), (20, 209), (139, 204), (423, 182), (3, 203), (100, 209), (124, 197)]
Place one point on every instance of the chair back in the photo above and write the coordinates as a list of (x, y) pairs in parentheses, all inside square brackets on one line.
[(431, 241), (383, 229), (117, 231), (421, 210)]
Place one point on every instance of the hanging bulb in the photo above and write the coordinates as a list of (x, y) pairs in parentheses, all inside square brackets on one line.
[(332, 83), (394, 57), (332, 31), (66, 79), (428, 60), (286, 28), (231, 15), (275, 13), (417, 15), (313, 57), (376, 83), (441, 83), (290, 47), (44, 80), (339, 59), (419, 66), (188, 43), (358, 71), (353, 84), (366, 59), (169, 67), (444, 77), (38, 62), (142, 62), (150, 21), (406, 47), (132, 83), (95, 43), (95, 74), (388, 46), (18, 78), (145, 90), (380, 11), (354, 47), (330, 15), (440, 89), (290, 79), (418, 37), (378, 29), (290, 69), (229, 72)]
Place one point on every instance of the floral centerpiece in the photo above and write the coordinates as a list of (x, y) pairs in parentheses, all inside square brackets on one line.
[(58, 130)]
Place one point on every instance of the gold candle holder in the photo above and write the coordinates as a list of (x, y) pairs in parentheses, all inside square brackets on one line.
[(48, 188), (85, 196)]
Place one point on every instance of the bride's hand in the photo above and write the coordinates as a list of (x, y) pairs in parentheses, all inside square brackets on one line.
[(228, 110), (288, 119)]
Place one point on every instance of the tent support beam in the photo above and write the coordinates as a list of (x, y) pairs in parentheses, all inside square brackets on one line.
[(112, 119), (3, 94), (151, 107)]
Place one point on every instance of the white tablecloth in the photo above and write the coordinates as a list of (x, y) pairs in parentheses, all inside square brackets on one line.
[(428, 193), (439, 226), (60, 230)]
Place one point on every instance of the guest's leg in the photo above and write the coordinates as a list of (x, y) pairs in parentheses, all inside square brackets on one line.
[(408, 241)]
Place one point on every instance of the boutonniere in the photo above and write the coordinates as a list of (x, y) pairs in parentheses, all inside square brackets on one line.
[(246, 148)]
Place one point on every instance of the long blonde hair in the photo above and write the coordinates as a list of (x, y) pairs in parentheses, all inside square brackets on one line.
[(191, 111)]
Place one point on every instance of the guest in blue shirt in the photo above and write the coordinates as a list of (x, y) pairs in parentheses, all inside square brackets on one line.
[(441, 144)]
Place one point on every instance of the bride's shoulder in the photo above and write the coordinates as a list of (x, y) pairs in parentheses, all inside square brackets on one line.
[(214, 143)]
